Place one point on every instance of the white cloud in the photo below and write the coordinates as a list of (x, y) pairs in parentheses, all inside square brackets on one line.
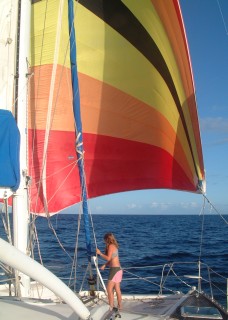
[(220, 142), (154, 205), (160, 205), (131, 206), (219, 125), (99, 209), (188, 205), (164, 206), (176, 207), (134, 206)]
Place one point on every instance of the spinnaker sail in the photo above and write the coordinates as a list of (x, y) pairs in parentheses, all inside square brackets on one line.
[(138, 105)]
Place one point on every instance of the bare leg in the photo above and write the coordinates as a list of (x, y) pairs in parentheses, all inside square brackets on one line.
[(119, 295), (110, 288)]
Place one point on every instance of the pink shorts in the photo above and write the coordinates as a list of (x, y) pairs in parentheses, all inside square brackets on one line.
[(116, 275)]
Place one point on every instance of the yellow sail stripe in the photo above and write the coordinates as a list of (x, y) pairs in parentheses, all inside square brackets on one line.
[(95, 61), (181, 74)]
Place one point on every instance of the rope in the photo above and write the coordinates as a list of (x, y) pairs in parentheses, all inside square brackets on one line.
[(38, 87), (50, 225), (75, 259), (212, 206), (202, 230), (53, 107), (6, 220), (182, 281), (34, 238), (223, 20), (145, 279)]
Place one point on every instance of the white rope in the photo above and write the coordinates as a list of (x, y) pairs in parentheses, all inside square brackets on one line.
[(75, 259), (145, 279), (36, 95), (184, 282), (212, 206), (223, 20), (51, 94), (57, 238), (202, 230), (42, 178)]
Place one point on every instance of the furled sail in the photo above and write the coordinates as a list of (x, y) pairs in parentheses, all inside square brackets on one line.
[(138, 105), (9, 151)]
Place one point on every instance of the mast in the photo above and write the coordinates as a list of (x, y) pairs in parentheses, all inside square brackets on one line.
[(20, 199), (78, 126)]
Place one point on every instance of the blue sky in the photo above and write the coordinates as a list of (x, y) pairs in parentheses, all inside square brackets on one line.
[(206, 23)]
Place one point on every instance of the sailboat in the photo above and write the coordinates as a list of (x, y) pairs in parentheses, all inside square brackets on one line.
[(97, 97)]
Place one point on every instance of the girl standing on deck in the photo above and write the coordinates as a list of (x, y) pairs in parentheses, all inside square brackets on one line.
[(115, 273)]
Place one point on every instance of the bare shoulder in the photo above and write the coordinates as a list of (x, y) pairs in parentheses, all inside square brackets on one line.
[(112, 247)]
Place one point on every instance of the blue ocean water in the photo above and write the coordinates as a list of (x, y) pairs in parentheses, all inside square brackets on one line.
[(145, 242)]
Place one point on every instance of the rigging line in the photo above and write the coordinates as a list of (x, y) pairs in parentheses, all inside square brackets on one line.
[(5, 268), (49, 221), (182, 281), (6, 220), (145, 279), (74, 163), (212, 206), (38, 85), (49, 116), (9, 60), (40, 181), (218, 274), (89, 210), (55, 234), (202, 230), (57, 238), (75, 259), (163, 278), (38, 243), (22, 90), (223, 19), (54, 108), (35, 108), (59, 186)]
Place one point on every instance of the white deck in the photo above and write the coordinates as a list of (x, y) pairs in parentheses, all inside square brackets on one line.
[(137, 307)]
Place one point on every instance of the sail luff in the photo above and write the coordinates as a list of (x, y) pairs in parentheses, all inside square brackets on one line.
[(78, 125)]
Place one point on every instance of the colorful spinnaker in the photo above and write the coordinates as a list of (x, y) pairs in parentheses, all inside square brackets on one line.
[(138, 107)]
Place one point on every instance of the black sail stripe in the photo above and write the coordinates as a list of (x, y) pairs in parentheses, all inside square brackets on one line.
[(120, 18)]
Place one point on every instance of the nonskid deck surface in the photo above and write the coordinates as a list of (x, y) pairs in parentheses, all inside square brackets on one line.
[(142, 307), (12, 309), (134, 308)]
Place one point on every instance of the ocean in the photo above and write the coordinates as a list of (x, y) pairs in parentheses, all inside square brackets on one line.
[(147, 242)]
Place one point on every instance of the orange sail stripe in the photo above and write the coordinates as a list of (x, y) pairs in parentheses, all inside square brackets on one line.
[(172, 21), (62, 101), (97, 103), (126, 122)]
